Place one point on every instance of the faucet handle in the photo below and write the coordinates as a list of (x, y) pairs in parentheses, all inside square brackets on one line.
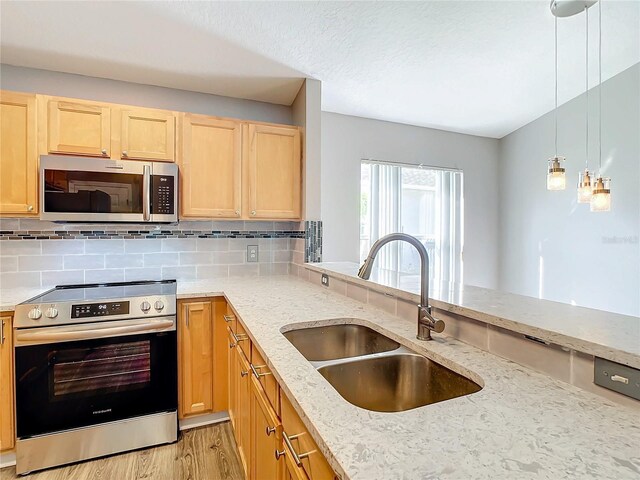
[(426, 324)]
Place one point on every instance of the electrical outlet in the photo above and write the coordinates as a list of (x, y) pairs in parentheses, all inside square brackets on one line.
[(325, 280), (252, 253)]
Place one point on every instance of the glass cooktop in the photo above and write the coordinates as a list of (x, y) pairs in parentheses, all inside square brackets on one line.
[(105, 291)]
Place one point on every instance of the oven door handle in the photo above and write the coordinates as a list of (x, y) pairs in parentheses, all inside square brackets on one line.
[(89, 332)]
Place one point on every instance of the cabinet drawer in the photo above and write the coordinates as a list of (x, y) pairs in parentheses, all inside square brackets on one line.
[(265, 378), (303, 446)]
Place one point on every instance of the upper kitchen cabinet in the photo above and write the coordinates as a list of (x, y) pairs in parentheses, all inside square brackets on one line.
[(210, 167), (78, 128), (147, 135), (274, 166), (18, 154)]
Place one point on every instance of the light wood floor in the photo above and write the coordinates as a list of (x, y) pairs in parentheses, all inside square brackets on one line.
[(205, 453)]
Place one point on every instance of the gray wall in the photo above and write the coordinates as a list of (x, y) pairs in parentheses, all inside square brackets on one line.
[(553, 247), (346, 140), (24, 79)]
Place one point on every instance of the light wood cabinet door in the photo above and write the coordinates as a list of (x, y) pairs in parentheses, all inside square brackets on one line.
[(220, 356), (147, 135), (243, 414), (210, 167), (265, 436), (18, 154), (233, 383), (274, 167), (78, 128), (7, 427), (195, 353)]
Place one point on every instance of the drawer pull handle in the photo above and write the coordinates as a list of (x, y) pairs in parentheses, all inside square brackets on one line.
[(620, 378), (233, 345), (228, 318), (279, 454), (270, 430), (255, 369), (239, 338), (244, 373), (297, 458)]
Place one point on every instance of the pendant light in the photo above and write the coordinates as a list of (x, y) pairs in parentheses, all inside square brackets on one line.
[(601, 196), (556, 178), (584, 178)]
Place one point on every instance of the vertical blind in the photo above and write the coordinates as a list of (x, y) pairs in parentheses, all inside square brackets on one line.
[(421, 201)]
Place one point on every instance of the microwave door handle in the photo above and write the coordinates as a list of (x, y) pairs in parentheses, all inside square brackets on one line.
[(146, 193)]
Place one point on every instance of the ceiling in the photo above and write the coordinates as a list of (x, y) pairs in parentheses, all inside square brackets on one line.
[(478, 67)]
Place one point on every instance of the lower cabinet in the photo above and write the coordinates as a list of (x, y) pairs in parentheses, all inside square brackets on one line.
[(202, 360), (272, 440), (7, 425), (266, 435)]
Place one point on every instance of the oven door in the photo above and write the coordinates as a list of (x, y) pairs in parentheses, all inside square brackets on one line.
[(94, 190), (80, 375)]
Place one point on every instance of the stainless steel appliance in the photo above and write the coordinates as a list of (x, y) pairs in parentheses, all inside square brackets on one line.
[(78, 189), (96, 372)]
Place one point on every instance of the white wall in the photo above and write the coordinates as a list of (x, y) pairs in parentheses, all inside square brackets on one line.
[(592, 259), (306, 111), (33, 80), (346, 140)]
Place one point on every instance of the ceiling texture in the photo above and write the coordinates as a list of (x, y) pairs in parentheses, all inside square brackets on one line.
[(478, 67)]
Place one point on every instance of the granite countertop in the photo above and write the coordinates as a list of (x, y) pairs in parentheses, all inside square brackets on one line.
[(604, 334), (522, 424)]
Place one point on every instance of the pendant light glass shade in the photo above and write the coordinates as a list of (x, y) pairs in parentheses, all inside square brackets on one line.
[(556, 178), (601, 195), (584, 186)]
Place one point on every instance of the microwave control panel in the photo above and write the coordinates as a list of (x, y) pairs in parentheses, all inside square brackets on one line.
[(99, 309), (163, 194)]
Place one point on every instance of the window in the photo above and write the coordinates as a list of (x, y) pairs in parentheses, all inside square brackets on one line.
[(421, 201)]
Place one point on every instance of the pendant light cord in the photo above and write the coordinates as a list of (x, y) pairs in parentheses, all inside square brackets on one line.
[(600, 87), (556, 80), (586, 160)]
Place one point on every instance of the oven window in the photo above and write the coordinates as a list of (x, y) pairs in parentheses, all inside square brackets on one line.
[(69, 191), (110, 368)]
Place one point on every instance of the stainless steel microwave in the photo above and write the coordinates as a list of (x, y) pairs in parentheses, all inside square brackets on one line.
[(82, 189)]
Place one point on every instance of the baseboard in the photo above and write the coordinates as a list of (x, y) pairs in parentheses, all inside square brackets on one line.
[(202, 420), (7, 459)]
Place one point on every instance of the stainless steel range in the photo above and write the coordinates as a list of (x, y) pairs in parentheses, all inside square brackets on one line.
[(96, 372)]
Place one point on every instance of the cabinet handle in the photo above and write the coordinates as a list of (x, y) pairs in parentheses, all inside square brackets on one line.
[(2, 333), (238, 212), (125, 153), (256, 374), (104, 151), (253, 212), (30, 208), (239, 338), (228, 318), (244, 373), (270, 430), (233, 345), (279, 454), (297, 458), (187, 318)]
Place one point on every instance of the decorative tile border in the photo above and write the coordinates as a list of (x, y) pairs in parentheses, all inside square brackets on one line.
[(313, 241), (134, 234)]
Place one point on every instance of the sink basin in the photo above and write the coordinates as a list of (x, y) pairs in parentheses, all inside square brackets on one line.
[(333, 342), (396, 382)]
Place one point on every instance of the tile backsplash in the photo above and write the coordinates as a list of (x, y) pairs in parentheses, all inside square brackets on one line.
[(35, 253)]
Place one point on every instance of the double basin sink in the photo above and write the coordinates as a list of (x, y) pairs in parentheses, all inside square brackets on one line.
[(374, 372)]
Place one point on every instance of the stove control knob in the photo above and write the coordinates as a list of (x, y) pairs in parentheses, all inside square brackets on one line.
[(35, 313), (145, 306), (158, 305), (51, 312)]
